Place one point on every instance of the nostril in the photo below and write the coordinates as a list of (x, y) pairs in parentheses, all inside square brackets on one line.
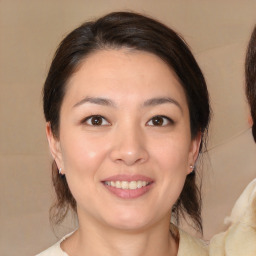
[(129, 146), (129, 157)]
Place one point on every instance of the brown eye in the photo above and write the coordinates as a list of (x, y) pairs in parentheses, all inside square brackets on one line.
[(96, 120), (159, 121)]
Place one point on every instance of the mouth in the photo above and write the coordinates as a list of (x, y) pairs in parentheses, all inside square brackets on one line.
[(128, 184), (128, 187)]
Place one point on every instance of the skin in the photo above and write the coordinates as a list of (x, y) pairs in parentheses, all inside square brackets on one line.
[(128, 142)]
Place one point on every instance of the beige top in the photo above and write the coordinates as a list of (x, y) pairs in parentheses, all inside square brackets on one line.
[(188, 245)]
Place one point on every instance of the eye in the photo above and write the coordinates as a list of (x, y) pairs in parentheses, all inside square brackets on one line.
[(159, 121), (96, 120)]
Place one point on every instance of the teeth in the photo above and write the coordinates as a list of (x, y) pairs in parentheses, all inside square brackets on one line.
[(139, 184), (127, 184), (118, 184), (133, 185)]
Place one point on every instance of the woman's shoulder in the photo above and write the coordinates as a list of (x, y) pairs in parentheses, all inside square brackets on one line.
[(55, 250), (192, 246)]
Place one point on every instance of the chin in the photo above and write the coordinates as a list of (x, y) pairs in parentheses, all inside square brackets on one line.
[(129, 220), (129, 226)]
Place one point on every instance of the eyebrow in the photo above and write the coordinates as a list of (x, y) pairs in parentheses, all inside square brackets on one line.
[(96, 100), (162, 100), (147, 103)]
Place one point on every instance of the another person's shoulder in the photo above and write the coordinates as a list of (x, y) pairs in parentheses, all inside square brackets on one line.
[(240, 237)]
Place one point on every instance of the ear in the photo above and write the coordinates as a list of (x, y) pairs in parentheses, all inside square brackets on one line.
[(194, 151), (54, 145)]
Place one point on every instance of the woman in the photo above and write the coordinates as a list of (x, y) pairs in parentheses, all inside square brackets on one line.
[(127, 113), (240, 237)]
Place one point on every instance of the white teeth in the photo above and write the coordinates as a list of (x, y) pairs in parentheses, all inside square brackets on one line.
[(126, 184), (118, 184), (133, 185), (139, 184)]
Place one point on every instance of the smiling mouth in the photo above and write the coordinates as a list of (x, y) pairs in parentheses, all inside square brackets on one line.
[(131, 185)]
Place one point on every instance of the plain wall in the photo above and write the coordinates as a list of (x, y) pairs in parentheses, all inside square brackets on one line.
[(217, 31)]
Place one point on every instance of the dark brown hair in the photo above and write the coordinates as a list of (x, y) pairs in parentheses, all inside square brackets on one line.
[(250, 76), (134, 31)]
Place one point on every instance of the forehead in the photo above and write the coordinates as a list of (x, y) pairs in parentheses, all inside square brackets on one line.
[(124, 71)]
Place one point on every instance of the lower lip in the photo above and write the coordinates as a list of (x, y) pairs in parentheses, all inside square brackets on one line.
[(129, 193)]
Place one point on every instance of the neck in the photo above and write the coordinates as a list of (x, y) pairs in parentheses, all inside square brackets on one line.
[(93, 239)]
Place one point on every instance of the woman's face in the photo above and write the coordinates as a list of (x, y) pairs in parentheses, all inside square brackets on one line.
[(125, 144)]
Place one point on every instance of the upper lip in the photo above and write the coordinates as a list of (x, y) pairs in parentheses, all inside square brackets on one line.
[(125, 177)]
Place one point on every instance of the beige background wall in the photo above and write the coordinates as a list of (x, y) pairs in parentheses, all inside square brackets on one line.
[(217, 31)]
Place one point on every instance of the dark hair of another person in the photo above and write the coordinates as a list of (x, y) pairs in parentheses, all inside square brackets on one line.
[(134, 31), (250, 76)]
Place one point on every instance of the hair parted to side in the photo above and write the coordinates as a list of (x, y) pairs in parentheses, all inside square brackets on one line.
[(134, 31), (250, 77)]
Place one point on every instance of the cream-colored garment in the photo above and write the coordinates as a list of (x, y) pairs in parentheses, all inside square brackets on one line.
[(240, 237), (55, 250), (187, 246)]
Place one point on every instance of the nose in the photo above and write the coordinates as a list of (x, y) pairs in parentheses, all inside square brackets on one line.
[(129, 146)]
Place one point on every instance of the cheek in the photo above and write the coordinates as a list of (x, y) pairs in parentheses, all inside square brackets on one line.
[(173, 163), (83, 158), (173, 153), (172, 158), (82, 154)]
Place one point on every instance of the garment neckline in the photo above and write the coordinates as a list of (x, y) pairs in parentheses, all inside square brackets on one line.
[(62, 239), (182, 237)]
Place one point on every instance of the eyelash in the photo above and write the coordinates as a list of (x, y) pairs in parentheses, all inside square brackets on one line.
[(164, 119), (85, 121)]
